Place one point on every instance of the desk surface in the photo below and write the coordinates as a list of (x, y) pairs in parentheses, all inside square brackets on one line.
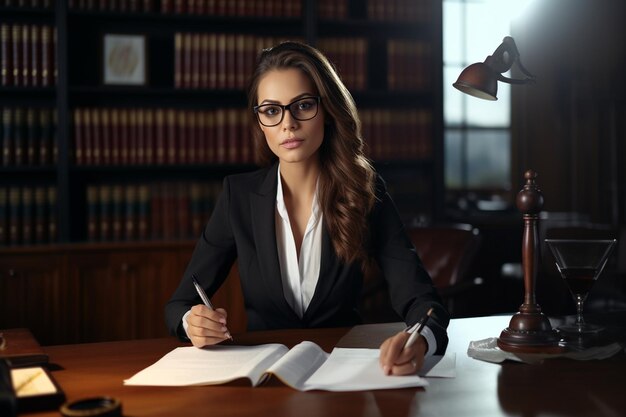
[(558, 387)]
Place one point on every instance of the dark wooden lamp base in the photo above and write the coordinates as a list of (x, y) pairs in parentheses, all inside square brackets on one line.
[(530, 330)]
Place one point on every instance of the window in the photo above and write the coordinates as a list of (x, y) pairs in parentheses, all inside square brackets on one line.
[(477, 134)]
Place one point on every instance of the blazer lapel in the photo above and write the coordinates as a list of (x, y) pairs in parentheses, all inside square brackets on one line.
[(263, 205)]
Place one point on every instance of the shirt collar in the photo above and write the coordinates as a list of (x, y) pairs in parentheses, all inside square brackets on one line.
[(280, 201)]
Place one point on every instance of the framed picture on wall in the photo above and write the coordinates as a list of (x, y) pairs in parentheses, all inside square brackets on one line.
[(124, 59)]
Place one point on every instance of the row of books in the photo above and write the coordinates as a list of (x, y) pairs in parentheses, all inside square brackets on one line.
[(30, 4), (28, 215), (350, 58), (403, 134), (400, 10), (162, 210), (332, 9), (269, 8), (28, 136), (216, 60), (408, 65), (140, 136), (27, 55)]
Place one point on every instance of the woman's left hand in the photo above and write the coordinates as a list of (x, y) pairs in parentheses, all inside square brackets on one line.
[(395, 360)]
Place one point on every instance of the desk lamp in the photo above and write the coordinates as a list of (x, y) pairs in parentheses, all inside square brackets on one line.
[(481, 79), (529, 329)]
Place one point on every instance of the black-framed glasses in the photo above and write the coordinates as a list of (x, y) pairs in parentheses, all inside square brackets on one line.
[(302, 109)]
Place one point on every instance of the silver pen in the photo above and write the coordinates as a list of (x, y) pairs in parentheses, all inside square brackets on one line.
[(416, 329), (205, 299)]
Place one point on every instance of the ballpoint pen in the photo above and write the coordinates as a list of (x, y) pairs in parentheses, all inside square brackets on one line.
[(205, 299), (416, 329)]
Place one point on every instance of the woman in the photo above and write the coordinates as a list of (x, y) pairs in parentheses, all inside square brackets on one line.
[(303, 228)]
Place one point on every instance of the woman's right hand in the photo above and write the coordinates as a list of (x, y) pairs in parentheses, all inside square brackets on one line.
[(206, 326)]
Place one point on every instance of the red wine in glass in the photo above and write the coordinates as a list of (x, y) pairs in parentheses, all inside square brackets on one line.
[(580, 263)]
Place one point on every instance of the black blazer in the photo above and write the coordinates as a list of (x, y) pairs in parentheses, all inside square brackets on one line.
[(242, 228)]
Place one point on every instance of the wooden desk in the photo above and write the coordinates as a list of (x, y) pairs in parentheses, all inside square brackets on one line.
[(557, 387)]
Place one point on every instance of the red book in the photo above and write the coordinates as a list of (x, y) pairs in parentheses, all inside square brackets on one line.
[(160, 135), (191, 130), (149, 136), (231, 67), (45, 139), (92, 213), (204, 60), (6, 70), (51, 200), (15, 215), (26, 58), (35, 63), (140, 138), (104, 199), (47, 72), (19, 139), (117, 212), (7, 142), (40, 215), (32, 137), (96, 137), (178, 60), (114, 137), (87, 138), (132, 136), (130, 216), (208, 142), (143, 212), (16, 39), (187, 56), (27, 216), (181, 136), (171, 142), (213, 58), (166, 6), (221, 61), (105, 136), (195, 60), (4, 216), (220, 136), (124, 141)]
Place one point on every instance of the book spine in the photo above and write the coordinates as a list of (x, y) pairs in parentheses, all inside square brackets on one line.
[(7, 140), (6, 70), (18, 137), (33, 135), (143, 212), (105, 136), (92, 213), (51, 200), (16, 40), (4, 216), (96, 137), (26, 55), (15, 219), (104, 194), (130, 217), (40, 215), (46, 56), (117, 212)]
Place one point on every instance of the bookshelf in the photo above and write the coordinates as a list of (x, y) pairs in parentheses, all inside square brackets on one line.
[(113, 181), (83, 140)]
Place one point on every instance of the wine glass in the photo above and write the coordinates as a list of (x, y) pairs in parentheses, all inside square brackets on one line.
[(580, 262)]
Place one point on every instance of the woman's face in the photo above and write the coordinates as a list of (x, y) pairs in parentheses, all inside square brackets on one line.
[(291, 140)]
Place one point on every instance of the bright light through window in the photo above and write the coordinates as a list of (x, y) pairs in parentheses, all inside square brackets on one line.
[(477, 138)]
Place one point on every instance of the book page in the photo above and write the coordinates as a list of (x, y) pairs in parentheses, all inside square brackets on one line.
[(299, 364), (357, 370), (210, 365)]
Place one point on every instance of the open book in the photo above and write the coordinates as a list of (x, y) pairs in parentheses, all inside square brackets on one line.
[(304, 367)]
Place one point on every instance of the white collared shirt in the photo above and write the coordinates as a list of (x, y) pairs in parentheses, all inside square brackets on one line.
[(299, 274)]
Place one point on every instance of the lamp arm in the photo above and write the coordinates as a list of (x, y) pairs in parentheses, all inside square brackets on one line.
[(528, 80)]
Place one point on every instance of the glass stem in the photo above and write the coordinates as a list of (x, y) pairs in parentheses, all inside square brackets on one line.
[(580, 321)]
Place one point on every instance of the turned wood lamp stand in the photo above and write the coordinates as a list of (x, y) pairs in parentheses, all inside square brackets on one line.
[(529, 329)]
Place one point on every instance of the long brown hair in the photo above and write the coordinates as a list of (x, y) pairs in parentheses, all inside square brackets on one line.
[(347, 179)]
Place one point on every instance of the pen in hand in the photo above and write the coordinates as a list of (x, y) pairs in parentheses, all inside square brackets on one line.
[(205, 299), (416, 329)]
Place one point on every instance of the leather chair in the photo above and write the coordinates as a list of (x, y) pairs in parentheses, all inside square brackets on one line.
[(447, 252)]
